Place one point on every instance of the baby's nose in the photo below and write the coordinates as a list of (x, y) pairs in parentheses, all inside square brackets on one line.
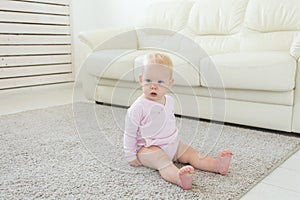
[(153, 86)]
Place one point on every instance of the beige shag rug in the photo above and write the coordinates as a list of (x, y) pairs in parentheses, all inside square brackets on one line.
[(75, 152)]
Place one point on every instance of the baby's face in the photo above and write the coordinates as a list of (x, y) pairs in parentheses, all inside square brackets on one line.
[(155, 80)]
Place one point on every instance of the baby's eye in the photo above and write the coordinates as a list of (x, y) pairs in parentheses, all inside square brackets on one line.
[(148, 80), (160, 82)]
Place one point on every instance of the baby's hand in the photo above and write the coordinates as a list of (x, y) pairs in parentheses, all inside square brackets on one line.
[(135, 163)]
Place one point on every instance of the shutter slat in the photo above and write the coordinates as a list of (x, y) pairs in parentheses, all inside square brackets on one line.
[(16, 61), (34, 39), (33, 29), (31, 7), (33, 18), (38, 50), (33, 71), (59, 2), (35, 80)]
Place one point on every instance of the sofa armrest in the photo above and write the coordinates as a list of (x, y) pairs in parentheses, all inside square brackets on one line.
[(296, 107), (109, 38), (295, 48)]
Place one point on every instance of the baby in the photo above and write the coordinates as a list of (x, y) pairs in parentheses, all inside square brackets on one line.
[(151, 137)]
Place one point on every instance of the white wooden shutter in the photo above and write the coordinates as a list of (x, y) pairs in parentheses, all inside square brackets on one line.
[(35, 43)]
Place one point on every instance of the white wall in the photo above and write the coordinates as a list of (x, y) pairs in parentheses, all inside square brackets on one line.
[(86, 15), (95, 14)]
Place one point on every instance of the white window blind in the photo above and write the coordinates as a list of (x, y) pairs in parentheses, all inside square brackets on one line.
[(35, 43)]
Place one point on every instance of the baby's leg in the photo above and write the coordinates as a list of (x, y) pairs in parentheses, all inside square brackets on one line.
[(155, 158), (187, 154)]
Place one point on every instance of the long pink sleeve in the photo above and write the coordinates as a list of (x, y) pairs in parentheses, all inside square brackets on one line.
[(132, 121)]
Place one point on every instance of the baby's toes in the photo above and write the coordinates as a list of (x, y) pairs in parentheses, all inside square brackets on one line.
[(186, 169), (225, 153)]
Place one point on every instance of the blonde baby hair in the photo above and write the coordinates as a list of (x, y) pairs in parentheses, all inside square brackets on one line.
[(159, 58)]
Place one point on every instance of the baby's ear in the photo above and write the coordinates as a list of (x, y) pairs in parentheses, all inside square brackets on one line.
[(140, 78), (171, 82)]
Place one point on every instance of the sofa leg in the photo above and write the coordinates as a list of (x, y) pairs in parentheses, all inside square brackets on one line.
[(98, 102), (109, 104)]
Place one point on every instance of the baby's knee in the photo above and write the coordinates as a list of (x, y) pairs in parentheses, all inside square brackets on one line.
[(152, 152), (154, 157)]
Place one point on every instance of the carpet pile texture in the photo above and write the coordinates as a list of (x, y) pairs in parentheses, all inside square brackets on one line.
[(75, 152)]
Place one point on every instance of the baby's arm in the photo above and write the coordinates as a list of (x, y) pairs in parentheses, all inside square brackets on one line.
[(130, 136)]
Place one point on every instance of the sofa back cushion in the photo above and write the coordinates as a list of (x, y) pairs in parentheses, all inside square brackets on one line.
[(270, 25), (217, 16), (215, 25), (170, 15), (272, 15)]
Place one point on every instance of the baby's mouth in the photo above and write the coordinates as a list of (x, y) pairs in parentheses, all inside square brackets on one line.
[(153, 94)]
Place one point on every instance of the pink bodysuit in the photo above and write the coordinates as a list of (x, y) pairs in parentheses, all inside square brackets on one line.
[(150, 123)]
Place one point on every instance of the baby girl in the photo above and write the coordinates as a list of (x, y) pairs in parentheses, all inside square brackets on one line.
[(151, 137)]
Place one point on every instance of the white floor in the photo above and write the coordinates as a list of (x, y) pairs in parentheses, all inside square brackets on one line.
[(283, 183)]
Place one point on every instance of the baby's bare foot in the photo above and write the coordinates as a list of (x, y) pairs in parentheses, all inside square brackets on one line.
[(223, 162), (185, 175)]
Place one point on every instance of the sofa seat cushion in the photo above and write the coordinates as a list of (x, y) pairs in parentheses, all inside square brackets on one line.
[(113, 64), (126, 64), (268, 71), (268, 97), (183, 72)]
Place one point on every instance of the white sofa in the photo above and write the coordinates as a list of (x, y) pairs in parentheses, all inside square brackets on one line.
[(247, 74)]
